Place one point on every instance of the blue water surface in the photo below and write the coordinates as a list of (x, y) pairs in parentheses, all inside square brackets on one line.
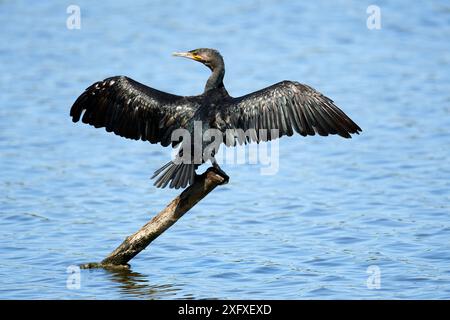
[(71, 193)]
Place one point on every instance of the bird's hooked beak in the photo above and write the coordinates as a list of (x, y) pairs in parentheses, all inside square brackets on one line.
[(188, 55)]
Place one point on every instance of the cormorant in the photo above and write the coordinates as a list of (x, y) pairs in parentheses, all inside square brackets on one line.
[(136, 111)]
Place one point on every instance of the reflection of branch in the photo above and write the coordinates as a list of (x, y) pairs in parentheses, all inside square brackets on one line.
[(135, 284), (137, 242)]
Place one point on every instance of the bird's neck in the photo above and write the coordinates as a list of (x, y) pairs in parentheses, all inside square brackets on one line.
[(215, 79)]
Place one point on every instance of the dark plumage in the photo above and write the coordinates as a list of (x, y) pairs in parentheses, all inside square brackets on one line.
[(133, 110)]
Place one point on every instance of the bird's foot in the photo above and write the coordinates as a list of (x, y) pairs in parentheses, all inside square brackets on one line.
[(220, 172)]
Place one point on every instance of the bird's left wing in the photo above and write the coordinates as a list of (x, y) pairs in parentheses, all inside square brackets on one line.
[(287, 106), (133, 110)]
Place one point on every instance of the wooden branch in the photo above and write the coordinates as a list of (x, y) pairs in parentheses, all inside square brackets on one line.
[(137, 242)]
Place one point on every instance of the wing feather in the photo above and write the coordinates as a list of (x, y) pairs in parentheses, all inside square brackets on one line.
[(289, 107), (132, 110)]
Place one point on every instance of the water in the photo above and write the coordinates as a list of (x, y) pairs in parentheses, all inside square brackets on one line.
[(71, 193)]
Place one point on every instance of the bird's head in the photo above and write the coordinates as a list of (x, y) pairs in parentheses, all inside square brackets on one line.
[(209, 57)]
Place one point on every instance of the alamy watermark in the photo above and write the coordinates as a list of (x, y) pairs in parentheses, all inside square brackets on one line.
[(374, 19), (374, 279), (73, 21), (73, 281), (202, 144)]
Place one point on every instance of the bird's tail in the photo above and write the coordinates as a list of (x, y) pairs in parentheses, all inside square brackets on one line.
[(179, 175)]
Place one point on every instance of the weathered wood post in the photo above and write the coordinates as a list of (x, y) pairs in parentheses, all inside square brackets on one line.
[(137, 242)]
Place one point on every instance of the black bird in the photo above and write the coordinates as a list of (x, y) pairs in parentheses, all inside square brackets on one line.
[(136, 111)]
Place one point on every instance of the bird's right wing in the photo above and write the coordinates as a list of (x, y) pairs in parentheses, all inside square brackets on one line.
[(133, 110), (287, 106)]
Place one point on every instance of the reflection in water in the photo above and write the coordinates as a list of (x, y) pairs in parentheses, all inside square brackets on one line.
[(135, 284)]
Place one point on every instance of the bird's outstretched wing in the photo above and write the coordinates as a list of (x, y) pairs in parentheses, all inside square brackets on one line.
[(287, 106), (133, 110)]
